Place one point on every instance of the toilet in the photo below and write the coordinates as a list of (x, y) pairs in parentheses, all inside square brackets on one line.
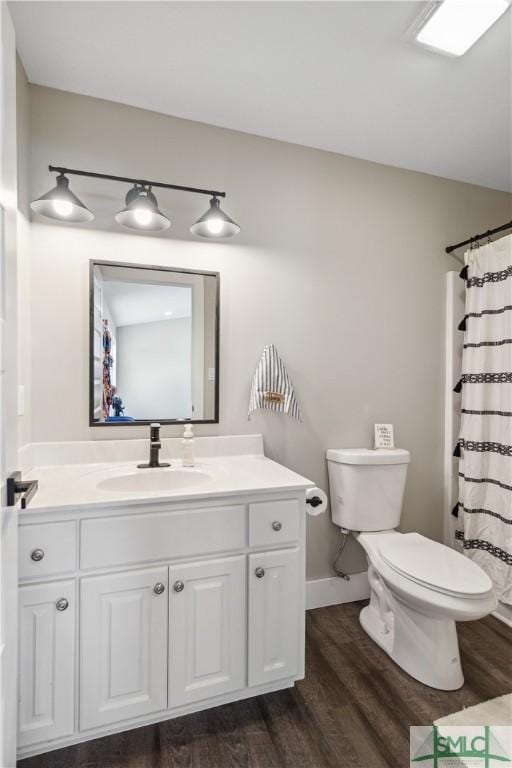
[(418, 587)]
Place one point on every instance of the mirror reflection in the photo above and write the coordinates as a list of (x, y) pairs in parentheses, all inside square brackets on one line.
[(154, 344)]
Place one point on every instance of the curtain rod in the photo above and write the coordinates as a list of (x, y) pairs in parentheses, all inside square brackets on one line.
[(474, 239)]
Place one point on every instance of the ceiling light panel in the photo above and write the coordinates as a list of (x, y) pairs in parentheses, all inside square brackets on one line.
[(453, 26)]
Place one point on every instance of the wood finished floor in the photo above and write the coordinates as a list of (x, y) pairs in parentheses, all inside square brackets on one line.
[(353, 710)]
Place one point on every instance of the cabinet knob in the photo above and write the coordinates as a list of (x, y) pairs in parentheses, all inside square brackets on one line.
[(158, 588), (36, 555), (277, 525), (260, 572), (179, 586), (61, 604)]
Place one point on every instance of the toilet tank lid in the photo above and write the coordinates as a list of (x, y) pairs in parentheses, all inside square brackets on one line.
[(368, 456)]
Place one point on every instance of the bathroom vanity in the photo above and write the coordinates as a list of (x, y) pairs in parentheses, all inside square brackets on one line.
[(148, 594)]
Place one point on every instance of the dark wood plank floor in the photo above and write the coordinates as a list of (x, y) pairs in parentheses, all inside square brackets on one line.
[(353, 710)]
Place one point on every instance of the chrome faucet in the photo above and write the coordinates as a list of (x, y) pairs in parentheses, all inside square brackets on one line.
[(154, 449)]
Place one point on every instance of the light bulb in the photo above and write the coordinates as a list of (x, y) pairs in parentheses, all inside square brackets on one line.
[(142, 216), (62, 207), (215, 226)]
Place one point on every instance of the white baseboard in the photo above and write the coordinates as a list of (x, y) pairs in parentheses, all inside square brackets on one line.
[(504, 613), (334, 590)]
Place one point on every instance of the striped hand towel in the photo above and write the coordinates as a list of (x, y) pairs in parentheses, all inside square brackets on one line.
[(272, 388)]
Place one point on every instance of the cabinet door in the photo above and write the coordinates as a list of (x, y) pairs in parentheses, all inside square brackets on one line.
[(274, 620), (207, 654), (47, 662), (123, 649)]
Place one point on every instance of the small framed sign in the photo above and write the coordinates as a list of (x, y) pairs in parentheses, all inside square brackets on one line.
[(384, 436)]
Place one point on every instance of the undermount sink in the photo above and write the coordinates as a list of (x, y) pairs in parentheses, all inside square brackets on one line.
[(155, 480)]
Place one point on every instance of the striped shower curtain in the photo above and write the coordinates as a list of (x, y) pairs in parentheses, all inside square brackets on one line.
[(485, 441)]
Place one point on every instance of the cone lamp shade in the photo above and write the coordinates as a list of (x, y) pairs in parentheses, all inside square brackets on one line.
[(215, 223), (60, 203), (142, 212)]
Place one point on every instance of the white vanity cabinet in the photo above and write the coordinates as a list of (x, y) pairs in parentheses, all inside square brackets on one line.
[(208, 629), (123, 646), (275, 641), (170, 607), (47, 637)]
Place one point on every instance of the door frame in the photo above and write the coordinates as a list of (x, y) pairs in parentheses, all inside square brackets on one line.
[(8, 392)]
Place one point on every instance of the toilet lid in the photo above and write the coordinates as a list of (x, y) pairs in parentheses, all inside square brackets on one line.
[(434, 565)]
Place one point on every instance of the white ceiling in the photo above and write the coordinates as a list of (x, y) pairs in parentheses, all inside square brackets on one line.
[(135, 303), (340, 76)]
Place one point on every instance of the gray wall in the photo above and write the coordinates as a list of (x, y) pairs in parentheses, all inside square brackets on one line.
[(340, 263)]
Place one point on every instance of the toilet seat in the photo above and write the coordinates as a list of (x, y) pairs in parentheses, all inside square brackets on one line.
[(433, 565)]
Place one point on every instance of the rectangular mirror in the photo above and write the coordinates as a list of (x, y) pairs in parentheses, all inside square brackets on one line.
[(154, 344)]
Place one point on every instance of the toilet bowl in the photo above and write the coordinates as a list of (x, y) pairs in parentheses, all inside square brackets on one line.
[(418, 587)]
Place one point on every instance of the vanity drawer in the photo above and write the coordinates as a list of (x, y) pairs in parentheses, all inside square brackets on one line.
[(273, 522), (46, 549), (113, 541)]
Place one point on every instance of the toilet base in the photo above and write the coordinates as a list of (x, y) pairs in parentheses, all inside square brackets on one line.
[(423, 646)]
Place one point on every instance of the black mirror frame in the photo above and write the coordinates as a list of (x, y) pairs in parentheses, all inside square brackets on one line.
[(144, 422)]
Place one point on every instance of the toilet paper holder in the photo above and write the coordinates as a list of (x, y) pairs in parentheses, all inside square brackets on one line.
[(316, 499)]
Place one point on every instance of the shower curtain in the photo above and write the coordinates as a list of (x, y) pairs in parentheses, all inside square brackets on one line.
[(485, 440)]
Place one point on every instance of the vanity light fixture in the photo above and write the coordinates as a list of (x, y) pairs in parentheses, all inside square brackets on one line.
[(215, 223), (60, 203), (141, 210), (453, 26)]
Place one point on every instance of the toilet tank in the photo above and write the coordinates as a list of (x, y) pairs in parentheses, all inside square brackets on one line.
[(367, 487)]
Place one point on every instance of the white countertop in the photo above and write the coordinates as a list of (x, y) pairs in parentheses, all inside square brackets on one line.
[(68, 486)]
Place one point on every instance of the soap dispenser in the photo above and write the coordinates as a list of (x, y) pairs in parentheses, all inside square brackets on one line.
[(188, 446)]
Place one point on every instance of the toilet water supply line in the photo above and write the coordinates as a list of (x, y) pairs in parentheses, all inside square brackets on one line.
[(338, 571)]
